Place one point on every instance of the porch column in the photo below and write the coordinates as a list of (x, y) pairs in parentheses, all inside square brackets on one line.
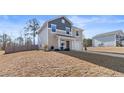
[(58, 42)]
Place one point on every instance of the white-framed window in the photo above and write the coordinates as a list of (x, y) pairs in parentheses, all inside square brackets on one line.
[(77, 33), (68, 30), (53, 27), (63, 21)]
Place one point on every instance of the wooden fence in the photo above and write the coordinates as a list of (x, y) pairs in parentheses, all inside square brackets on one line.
[(15, 48)]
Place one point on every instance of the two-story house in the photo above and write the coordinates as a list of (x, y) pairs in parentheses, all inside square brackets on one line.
[(59, 33)]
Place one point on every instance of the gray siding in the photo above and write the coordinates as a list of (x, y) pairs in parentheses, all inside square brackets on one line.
[(60, 25)]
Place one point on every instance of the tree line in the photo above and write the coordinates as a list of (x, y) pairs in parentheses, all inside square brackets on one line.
[(87, 42), (27, 38)]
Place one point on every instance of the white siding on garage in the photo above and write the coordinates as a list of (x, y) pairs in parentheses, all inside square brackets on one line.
[(76, 45), (43, 37), (122, 42)]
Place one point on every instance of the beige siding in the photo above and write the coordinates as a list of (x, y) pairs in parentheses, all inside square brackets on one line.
[(52, 39), (46, 36), (43, 37), (75, 44)]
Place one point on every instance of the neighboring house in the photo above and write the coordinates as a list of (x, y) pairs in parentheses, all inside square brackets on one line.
[(110, 39), (59, 33)]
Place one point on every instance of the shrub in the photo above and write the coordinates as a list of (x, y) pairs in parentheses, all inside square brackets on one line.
[(66, 49), (56, 50), (46, 47)]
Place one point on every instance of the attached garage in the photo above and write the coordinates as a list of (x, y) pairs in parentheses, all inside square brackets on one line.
[(76, 45)]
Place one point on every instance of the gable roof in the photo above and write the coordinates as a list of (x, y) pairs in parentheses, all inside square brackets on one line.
[(45, 23), (109, 33), (60, 17)]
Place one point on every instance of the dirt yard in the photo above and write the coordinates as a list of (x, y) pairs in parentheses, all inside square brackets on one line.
[(1, 52), (107, 49), (39, 63)]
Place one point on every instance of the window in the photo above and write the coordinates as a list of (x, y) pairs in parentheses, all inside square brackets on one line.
[(63, 21), (67, 30), (117, 36), (77, 33), (53, 27)]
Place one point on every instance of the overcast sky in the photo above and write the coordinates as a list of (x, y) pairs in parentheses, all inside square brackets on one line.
[(13, 25)]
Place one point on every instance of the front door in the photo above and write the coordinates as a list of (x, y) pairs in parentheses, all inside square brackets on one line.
[(67, 44)]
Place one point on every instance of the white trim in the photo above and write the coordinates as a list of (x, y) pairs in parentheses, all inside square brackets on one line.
[(69, 30), (65, 38), (58, 42), (78, 34), (58, 30), (61, 30)]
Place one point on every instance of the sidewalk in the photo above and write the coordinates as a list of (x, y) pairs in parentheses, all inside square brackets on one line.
[(107, 54)]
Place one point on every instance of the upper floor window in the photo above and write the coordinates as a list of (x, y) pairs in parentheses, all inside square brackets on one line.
[(53, 27), (77, 33), (63, 21), (67, 30)]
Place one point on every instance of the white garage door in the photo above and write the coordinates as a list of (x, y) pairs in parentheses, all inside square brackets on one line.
[(76, 45)]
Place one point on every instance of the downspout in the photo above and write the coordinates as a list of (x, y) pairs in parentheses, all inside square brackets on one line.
[(47, 36), (115, 41)]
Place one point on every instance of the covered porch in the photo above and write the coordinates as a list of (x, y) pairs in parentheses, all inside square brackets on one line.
[(65, 42)]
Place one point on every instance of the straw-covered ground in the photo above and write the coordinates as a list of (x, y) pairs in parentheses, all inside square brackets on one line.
[(40, 63)]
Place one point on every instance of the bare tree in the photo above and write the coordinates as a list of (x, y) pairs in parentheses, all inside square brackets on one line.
[(31, 28), (1, 42), (19, 40), (28, 42), (87, 42), (4, 39)]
